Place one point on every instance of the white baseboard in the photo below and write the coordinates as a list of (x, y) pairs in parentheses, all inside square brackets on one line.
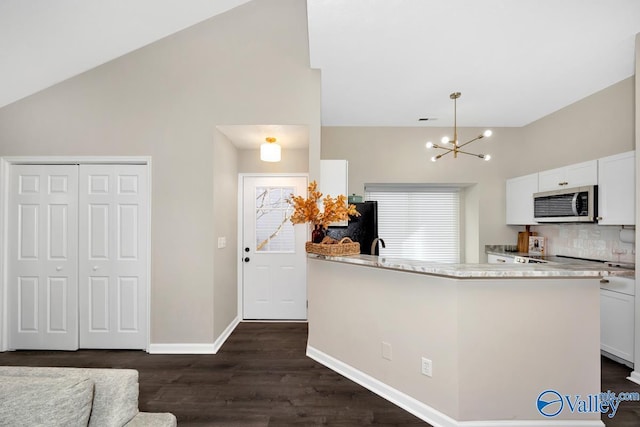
[(527, 423), (195, 348), (406, 402), (422, 410), (634, 377), (182, 348), (217, 344)]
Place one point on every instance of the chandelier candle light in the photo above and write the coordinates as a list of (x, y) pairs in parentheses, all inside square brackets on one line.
[(453, 146)]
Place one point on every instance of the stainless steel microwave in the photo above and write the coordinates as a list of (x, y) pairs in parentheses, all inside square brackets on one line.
[(578, 204)]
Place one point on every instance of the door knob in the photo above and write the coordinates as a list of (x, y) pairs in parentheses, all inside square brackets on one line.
[(58, 268), (95, 267), (246, 259)]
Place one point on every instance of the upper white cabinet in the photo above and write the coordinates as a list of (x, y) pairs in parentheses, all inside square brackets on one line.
[(520, 199), (334, 177), (614, 175), (576, 175), (617, 189), (334, 180)]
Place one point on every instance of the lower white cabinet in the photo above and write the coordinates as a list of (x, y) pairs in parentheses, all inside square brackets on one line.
[(499, 259), (617, 317)]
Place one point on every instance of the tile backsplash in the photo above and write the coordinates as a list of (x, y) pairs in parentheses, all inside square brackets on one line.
[(587, 241)]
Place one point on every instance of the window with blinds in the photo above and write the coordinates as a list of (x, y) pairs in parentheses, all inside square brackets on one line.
[(418, 221)]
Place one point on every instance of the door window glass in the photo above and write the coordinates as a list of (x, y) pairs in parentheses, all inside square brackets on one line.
[(274, 231)]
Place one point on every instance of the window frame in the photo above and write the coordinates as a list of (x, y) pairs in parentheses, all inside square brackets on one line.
[(457, 189)]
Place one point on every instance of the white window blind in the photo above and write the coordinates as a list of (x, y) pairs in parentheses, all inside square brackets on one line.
[(417, 221)]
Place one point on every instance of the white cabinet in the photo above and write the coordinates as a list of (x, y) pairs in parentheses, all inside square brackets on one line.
[(576, 175), (617, 189), (617, 313), (334, 179), (499, 259), (614, 175), (520, 199)]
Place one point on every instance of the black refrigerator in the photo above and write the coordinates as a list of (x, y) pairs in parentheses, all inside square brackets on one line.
[(362, 229)]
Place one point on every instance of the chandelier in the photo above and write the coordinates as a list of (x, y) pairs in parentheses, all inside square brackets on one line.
[(452, 145)]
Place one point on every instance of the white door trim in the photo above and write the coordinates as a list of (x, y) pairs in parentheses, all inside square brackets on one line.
[(5, 166), (241, 177)]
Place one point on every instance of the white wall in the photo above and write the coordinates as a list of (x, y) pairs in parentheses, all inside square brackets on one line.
[(599, 125), (225, 224), (165, 101)]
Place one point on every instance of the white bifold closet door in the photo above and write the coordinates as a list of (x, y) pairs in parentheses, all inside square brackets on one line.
[(78, 256), (113, 256), (43, 257)]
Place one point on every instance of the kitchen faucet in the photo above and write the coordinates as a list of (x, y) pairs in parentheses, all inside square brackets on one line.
[(374, 243)]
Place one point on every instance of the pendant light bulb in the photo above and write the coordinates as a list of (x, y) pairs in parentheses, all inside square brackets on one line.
[(487, 133), (270, 151), (429, 144)]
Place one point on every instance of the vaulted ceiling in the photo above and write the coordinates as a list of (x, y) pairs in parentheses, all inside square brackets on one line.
[(383, 62)]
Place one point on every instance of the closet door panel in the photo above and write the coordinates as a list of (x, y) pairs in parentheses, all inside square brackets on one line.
[(113, 258), (98, 231), (43, 259)]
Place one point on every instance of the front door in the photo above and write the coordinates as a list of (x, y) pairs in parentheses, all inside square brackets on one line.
[(274, 259)]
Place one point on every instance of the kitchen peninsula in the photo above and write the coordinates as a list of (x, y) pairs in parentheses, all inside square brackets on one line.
[(494, 337)]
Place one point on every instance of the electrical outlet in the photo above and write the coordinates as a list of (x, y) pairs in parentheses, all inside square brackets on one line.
[(386, 350), (222, 242), (427, 367)]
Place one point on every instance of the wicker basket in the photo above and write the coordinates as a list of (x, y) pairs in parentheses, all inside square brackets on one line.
[(346, 246)]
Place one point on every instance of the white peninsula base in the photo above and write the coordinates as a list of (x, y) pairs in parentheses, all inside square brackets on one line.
[(495, 344)]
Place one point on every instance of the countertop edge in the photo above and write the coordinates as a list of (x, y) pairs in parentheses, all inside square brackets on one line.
[(482, 271)]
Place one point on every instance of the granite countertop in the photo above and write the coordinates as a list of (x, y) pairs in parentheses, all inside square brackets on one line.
[(511, 251), (483, 271)]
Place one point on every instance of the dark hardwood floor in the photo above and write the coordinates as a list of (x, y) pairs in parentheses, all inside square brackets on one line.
[(261, 377), (614, 377)]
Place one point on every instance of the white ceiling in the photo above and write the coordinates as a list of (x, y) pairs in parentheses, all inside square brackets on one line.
[(248, 137), (387, 63), (43, 42), (383, 62)]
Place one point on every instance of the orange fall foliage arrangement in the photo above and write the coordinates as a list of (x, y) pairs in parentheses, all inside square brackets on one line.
[(307, 210)]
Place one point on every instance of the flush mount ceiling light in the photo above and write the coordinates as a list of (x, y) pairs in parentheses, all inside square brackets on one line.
[(452, 145), (270, 150)]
